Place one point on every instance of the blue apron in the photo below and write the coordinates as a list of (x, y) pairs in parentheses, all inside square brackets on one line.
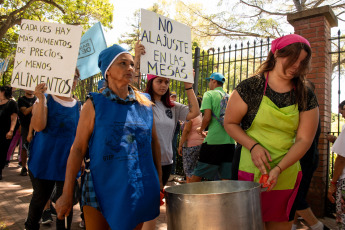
[(49, 149), (123, 172)]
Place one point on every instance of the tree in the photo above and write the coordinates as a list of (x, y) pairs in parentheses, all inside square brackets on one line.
[(253, 18), (130, 38), (74, 12)]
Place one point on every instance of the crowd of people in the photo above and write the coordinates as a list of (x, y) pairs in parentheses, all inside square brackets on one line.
[(122, 142)]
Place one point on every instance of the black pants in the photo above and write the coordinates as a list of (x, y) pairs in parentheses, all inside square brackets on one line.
[(4, 145), (41, 194)]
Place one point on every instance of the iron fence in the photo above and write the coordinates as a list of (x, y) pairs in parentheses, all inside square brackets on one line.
[(338, 68)]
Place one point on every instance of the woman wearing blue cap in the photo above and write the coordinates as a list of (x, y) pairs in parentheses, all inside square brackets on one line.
[(122, 189)]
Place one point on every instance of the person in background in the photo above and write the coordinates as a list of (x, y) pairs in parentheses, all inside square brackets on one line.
[(273, 117), (8, 121), (25, 105), (309, 163), (117, 129), (55, 119), (167, 114), (218, 148), (336, 191), (193, 140), (173, 98)]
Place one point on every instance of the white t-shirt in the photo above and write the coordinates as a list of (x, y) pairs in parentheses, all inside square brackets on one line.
[(165, 121), (339, 148), (69, 104)]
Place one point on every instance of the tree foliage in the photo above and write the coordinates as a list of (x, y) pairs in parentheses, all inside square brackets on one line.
[(253, 18), (74, 12)]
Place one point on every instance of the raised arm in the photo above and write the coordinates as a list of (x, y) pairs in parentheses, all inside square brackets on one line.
[(40, 110), (85, 128), (194, 110)]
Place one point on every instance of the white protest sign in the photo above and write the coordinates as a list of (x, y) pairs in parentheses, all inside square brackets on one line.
[(168, 47), (46, 53)]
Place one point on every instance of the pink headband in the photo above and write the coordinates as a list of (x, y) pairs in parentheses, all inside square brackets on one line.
[(150, 76), (281, 42)]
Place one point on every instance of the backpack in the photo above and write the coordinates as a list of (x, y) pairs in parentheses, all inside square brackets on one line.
[(223, 104)]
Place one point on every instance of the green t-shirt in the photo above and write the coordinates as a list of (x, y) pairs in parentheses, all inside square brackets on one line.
[(216, 133)]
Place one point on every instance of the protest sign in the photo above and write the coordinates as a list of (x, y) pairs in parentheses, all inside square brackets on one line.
[(91, 44), (168, 47), (46, 53)]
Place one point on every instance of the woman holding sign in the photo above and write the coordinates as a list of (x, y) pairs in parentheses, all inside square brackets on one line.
[(167, 113), (274, 116), (55, 119), (122, 188)]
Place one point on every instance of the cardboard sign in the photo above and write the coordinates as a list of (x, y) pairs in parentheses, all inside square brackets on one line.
[(168, 47), (46, 53)]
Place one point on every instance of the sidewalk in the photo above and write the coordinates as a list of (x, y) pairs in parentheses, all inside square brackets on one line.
[(15, 196)]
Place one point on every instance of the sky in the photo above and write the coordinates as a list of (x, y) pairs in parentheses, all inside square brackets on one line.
[(123, 14)]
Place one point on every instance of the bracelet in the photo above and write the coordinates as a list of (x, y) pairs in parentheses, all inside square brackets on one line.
[(189, 88), (334, 183), (279, 168), (253, 147)]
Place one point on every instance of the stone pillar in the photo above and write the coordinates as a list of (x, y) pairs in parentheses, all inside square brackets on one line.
[(315, 25)]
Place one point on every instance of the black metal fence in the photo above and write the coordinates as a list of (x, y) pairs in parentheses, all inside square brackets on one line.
[(338, 67)]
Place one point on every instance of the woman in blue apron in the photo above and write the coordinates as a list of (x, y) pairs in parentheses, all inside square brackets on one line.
[(274, 117), (55, 120), (122, 188)]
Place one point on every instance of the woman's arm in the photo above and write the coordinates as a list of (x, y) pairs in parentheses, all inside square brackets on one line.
[(156, 153), (338, 170), (205, 122), (235, 111), (185, 133), (39, 110), (194, 110), (84, 130), (14, 117), (308, 123)]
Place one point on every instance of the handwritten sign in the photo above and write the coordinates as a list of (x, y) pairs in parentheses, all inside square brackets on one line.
[(46, 53), (168, 47)]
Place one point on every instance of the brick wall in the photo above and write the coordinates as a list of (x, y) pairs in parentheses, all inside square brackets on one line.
[(315, 25)]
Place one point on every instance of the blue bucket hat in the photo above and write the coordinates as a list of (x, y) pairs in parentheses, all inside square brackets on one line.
[(217, 76), (108, 56)]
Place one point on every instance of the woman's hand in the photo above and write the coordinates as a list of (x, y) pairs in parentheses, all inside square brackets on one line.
[(64, 206), (331, 191), (331, 138), (179, 150), (9, 135), (39, 90), (259, 157), (273, 177), (139, 49)]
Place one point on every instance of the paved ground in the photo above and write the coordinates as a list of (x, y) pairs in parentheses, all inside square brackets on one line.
[(15, 195)]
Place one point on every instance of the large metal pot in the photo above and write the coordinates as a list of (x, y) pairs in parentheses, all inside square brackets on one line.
[(214, 205)]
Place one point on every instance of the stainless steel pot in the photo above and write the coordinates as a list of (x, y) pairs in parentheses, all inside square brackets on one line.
[(214, 205)]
